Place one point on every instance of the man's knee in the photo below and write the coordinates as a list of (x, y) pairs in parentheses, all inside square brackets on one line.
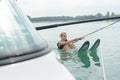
[(71, 45)]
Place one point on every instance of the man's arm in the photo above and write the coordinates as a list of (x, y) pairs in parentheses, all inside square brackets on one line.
[(77, 39), (73, 41), (66, 42)]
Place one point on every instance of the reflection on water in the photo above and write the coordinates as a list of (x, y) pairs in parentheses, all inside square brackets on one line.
[(95, 57), (83, 58)]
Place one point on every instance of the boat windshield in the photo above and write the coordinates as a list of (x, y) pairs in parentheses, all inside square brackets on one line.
[(17, 36)]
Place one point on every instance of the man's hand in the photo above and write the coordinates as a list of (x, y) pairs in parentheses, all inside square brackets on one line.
[(77, 39)]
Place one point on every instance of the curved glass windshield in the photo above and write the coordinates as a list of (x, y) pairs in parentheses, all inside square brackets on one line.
[(17, 36)]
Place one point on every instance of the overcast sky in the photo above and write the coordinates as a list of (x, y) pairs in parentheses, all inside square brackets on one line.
[(68, 7)]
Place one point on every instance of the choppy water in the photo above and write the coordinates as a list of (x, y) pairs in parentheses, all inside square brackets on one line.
[(109, 49)]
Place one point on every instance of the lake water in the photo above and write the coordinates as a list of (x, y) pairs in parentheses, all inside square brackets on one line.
[(108, 51)]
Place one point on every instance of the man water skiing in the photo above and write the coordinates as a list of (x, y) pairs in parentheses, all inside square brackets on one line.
[(66, 44)]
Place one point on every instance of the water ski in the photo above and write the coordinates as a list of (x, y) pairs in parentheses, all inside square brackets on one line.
[(95, 45), (93, 52), (82, 54)]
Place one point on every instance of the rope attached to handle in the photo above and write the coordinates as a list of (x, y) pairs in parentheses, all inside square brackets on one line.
[(100, 29)]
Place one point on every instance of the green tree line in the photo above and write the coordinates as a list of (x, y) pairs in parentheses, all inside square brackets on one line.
[(70, 18)]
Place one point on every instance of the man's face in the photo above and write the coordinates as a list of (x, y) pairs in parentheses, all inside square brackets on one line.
[(64, 37)]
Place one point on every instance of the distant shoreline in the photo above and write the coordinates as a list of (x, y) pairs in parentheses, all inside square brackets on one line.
[(70, 18)]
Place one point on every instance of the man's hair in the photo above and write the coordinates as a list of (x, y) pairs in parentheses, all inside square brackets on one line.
[(62, 33)]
